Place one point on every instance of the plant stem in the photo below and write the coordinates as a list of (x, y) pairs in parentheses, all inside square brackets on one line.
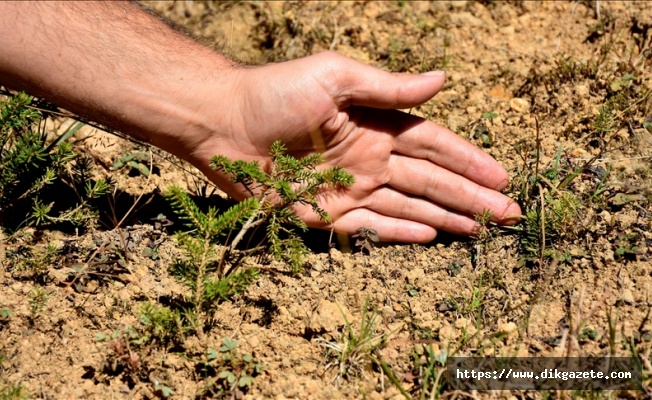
[(199, 285), (247, 225), (390, 375), (251, 223)]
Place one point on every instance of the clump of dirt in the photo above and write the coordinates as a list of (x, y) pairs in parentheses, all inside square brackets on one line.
[(555, 88)]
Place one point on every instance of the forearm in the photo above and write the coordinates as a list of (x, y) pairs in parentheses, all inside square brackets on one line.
[(116, 64)]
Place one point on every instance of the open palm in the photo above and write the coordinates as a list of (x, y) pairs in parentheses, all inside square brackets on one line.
[(413, 177)]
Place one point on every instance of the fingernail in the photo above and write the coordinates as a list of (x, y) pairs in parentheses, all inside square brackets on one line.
[(434, 73)]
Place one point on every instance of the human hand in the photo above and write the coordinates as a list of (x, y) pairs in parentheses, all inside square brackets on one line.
[(413, 177)]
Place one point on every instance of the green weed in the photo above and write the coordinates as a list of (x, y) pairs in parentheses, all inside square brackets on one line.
[(626, 245), (604, 122), (160, 324), (355, 352), (472, 307), (13, 392), (32, 169), (123, 357), (131, 352), (566, 69), (135, 161), (552, 208), (8, 391), (30, 261), (227, 371), (365, 239), (479, 129), (5, 313), (483, 219), (549, 223), (429, 372), (38, 299)]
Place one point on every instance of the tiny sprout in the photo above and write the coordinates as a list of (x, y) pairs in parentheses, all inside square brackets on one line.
[(211, 354), (365, 239), (161, 221), (479, 130), (412, 291), (483, 219), (6, 313), (162, 390), (228, 345), (647, 124)]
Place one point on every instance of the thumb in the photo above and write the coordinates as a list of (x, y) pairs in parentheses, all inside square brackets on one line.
[(363, 85)]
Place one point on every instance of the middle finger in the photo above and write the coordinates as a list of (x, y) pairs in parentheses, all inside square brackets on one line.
[(424, 178)]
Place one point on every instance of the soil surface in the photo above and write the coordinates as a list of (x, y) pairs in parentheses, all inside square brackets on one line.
[(521, 76)]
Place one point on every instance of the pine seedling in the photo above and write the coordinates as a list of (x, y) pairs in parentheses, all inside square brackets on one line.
[(604, 122), (38, 299), (291, 182), (206, 268), (550, 224), (201, 269)]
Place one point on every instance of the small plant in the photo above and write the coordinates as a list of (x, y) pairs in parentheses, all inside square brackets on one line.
[(132, 354), (483, 235), (355, 352), (210, 270), (160, 324), (567, 69), (604, 122), (5, 313), (454, 268), (162, 390), (228, 371), (412, 290), (30, 261), (472, 307), (135, 161), (624, 81), (365, 239), (626, 245), (38, 299), (429, 372), (443, 60), (13, 392), (130, 349), (479, 129), (647, 124), (552, 208), (555, 221), (482, 230), (30, 165), (123, 357)]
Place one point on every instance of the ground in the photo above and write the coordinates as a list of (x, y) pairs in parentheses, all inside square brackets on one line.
[(558, 92)]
